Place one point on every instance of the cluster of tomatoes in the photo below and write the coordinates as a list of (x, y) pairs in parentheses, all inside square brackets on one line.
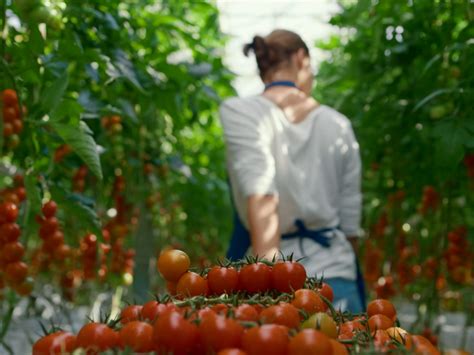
[(458, 256), (226, 312), (430, 200), (61, 152), (79, 179), (13, 271), (12, 117)]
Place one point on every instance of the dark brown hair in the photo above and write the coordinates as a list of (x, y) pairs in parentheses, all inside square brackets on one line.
[(275, 49)]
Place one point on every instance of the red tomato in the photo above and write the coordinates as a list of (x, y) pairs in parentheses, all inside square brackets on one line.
[(338, 348), (309, 301), (172, 264), (137, 336), (97, 337), (9, 232), (381, 306), (351, 327), (48, 227), (379, 321), (309, 342), (283, 314), (12, 252), (9, 114), (192, 284), (223, 280), (16, 272), (8, 129), (130, 313), (288, 276), (17, 126), (173, 333), (255, 278), (55, 343), (49, 209), (246, 312), (9, 97), (232, 351), (326, 291), (266, 339), (8, 212), (218, 332)]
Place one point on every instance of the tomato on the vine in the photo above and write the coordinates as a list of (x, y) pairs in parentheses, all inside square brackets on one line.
[(327, 292), (8, 212), (255, 277), (173, 333), (309, 301), (338, 348), (97, 337), (322, 322), (49, 209), (382, 306), (172, 264), (246, 313), (9, 232), (12, 252), (9, 97), (309, 342), (218, 332), (266, 339), (283, 314), (379, 321), (192, 284), (223, 280), (56, 343), (137, 336), (288, 276), (16, 272), (130, 313)]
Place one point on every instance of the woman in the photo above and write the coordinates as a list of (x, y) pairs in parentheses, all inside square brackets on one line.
[(294, 169)]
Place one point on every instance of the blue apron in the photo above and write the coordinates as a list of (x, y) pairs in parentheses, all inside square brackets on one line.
[(240, 243)]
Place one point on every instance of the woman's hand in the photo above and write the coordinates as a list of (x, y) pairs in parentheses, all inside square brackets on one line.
[(264, 226)]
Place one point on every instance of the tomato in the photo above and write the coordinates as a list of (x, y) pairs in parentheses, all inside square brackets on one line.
[(382, 341), (309, 301), (8, 212), (25, 288), (48, 227), (283, 314), (21, 193), (55, 343), (9, 114), (218, 332), (172, 264), (171, 287), (351, 327), (97, 337), (173, 333), (246, 313), (322, 322), (53, 240), (255, 278), (401, 336), (137, 336), (61, 252), (266, 339), (12, 252), (381, 306), (8, 129), (423, 346), (379, 321), (338, 348), (232, 351), (327, 291), (16, 272), (17, 126), (223, 280), (9, 97), (150, 310), (288, 276), (308, 342), (49, 209), (220, 308), (192, 284), (130, 313), (9, 232)]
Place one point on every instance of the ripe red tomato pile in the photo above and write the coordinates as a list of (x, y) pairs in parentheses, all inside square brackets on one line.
[(12, 117), (13, 271), (247, 307)]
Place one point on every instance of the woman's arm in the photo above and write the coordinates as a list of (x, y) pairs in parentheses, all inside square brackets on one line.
[(264, 226)]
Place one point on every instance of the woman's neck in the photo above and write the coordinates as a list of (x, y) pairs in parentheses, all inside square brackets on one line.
[(282, 76)]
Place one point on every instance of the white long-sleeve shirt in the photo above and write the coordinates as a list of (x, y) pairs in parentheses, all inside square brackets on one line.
[(312, 166)]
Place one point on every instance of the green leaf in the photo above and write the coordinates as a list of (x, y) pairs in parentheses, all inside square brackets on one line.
[(33, 193), (81, 141), (72, 206), (53, 94)]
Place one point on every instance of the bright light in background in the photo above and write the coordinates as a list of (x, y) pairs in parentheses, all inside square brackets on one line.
[(243, 19)]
